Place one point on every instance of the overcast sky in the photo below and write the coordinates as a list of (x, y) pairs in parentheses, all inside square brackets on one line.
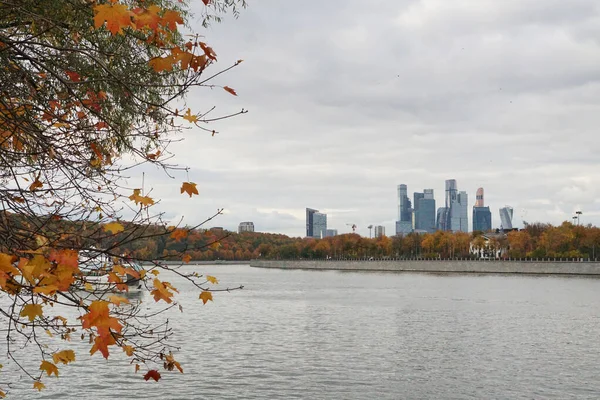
[(350, 98)]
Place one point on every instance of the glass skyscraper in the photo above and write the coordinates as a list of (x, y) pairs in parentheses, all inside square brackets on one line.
[(424, 205), (404, 223), (506, 215), (454, 217), (316, 223), (482, 216)]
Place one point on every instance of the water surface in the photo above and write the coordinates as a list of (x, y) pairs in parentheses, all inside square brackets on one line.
[(363, 335)]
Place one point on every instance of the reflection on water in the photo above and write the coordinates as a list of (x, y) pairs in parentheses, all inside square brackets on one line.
[(330, 335)]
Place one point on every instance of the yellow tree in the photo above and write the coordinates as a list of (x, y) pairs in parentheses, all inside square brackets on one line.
[(89, 90)]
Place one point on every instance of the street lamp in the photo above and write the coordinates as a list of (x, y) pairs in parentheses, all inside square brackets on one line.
[(578, 215), (574, 219), (370, 227)]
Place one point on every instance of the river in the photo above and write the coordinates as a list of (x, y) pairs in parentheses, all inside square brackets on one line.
[(370, 335)]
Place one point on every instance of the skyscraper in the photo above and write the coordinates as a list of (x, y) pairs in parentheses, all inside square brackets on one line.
[(404, 224), (316, 223), (482, 216), (424, 211), (506, 215), (454, 216)]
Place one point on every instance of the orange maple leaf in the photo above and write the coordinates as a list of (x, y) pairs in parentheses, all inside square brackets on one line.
[(160, 64), (101, 343), (117, 17), (152, 374), (118, 300), (189, 188), (161, 291), (170, 19), (128, 350), (98, 316), (206, 296), (65, 356), (147, 17), (179, 234), (186, 258), (230, 90), (49, 368), (212, 279), (138, 199), (37, 184), (31, 311), (67, 258), (38, 385)]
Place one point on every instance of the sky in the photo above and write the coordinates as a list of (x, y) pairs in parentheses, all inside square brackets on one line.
[(347, 99)]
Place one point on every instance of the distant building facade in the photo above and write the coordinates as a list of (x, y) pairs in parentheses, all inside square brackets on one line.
[(482, 216), (424, 211), (246, 227), (506, 215), (404, 224), (331, 232), (379, 231), (316, 223)]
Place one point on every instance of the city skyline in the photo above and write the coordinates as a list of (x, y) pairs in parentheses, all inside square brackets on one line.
[(524, 128)]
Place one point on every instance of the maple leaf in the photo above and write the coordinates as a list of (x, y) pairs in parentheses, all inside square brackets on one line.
[(206, 296), (114, 227), (189, 117), (101, 343), (212, 279), (37, 184), (31, 311), (160, 64), (68, 258), (98, 316), (89, 287), (206, 2), (186, 258), (137, 368), (161, 291), (208, 51), (189, 188), (128, 350), (179, 234), (118, 300), (73, 76), (49, 368), (230, 90), (152, 374), (65, 357), (38, 385), (147, 17), (170, 19), (117, 17), (138, 199), (170, 363)]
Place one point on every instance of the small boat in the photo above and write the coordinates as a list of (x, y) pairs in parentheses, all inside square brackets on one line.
[(97, 266)]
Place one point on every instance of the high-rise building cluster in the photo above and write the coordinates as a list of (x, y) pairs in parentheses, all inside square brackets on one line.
[(421, 216)]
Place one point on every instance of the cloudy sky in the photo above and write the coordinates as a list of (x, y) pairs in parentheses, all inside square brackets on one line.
[(350, 98)]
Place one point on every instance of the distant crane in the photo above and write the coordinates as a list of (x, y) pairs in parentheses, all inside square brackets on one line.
[(370, 227), (353, 227)]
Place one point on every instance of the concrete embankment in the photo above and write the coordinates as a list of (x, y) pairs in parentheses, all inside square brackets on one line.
[(440, 266)]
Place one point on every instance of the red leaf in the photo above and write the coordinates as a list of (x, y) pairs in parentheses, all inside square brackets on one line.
[(154, 374), (206, 2), (230, 90)]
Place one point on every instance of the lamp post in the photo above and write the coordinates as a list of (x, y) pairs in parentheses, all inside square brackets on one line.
[(370, 227), (574, 219), (578, 216)]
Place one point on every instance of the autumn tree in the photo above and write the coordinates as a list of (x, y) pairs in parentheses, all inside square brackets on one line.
[(90, 90)]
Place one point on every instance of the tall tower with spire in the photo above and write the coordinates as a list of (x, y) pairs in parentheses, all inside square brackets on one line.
[(482, 216)]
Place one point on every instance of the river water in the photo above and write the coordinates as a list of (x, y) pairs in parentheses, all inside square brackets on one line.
[(352, 335)]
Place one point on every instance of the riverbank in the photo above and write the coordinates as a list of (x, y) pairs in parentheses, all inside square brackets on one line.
[(440, 266)]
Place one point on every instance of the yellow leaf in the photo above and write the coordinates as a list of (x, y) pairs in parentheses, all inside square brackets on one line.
[(189, 117), (49, 368), (31, 311), (65, 357), (117, 300), (206, 296), (89, 287), (114, 227), (189, 188), (137, 367), (2, 394), (49, 333), (128, 350), (38, 385), (138, 199), (155, 272), (212, 279)]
